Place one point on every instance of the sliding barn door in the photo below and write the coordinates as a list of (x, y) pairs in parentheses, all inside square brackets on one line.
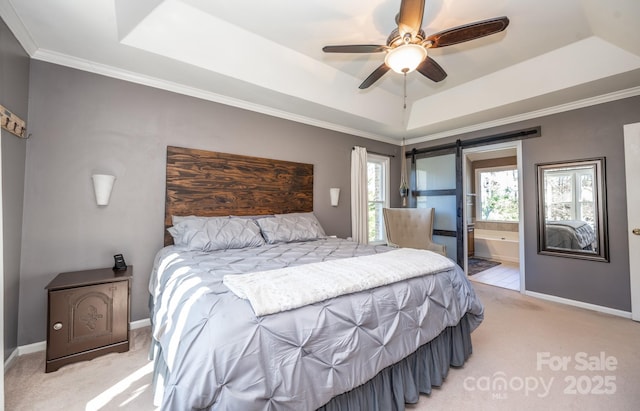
[(436, 181)]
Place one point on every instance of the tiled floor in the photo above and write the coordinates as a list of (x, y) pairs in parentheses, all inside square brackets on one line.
[(505, 275)]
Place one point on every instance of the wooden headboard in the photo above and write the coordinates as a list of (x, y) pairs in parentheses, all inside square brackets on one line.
[(207, 183)]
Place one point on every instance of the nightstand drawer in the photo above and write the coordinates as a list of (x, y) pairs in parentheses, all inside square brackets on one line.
[(88, 315), (83, 318)]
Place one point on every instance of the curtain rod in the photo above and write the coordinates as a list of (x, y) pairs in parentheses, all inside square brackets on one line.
[(378, 154)]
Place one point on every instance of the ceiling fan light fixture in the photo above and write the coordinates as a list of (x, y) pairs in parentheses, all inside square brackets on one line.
[(405, 58)]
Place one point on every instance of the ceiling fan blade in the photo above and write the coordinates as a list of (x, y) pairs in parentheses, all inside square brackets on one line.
[(431, 70), (468, 32), (375, 76), (355, 48), (410, 17)]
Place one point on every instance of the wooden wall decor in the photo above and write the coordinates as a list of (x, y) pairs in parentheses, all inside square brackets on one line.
[(12, 123), (211, 184)]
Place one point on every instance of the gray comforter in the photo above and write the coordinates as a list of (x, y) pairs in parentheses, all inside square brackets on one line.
[(569, 234), (216, 354)]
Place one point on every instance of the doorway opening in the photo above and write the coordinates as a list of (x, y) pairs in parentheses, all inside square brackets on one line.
[(493, 212)]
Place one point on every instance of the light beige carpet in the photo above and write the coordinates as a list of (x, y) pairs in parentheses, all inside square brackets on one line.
[(528, 355)]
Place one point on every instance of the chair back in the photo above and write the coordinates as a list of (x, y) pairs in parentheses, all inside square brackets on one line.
[(411, 228)]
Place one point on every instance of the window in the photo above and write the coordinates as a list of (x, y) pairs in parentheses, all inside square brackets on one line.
[(378, 195), (497, 194)]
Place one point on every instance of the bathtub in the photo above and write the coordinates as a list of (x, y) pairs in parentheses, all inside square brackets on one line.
[(497, 245)]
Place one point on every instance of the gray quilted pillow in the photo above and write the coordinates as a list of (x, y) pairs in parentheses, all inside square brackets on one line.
[(215, 233), (285, 228)]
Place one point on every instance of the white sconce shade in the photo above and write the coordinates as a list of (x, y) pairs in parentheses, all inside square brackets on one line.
[(335, 196), (102, 185)]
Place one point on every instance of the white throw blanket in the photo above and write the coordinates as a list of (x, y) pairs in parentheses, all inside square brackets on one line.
[(292, 287)]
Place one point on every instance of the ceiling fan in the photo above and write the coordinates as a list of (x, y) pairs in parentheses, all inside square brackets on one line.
[(407, 45)]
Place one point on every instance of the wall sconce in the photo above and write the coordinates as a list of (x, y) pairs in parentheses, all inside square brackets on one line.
[(335, 196), (102, 185)]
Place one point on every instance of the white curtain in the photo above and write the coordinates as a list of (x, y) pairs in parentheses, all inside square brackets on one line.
[(359, 229)]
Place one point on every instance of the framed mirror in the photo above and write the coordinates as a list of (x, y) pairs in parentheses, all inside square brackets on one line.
[(572, 209)]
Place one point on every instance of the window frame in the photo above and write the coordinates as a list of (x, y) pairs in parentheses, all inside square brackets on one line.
[(478, 196), (575, 205), (386, 166)]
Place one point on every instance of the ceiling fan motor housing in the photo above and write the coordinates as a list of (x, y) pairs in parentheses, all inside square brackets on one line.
[(395, 39)]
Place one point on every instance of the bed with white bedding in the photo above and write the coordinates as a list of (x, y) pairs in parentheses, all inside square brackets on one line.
[(371, 348)]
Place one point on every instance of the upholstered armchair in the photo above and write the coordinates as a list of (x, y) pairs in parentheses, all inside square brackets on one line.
[(411, 228)]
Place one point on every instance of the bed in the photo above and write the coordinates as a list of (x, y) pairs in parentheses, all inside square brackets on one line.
[(375, 348), (570, 234)]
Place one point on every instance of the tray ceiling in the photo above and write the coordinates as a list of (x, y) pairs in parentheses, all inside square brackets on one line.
[(267, 57)]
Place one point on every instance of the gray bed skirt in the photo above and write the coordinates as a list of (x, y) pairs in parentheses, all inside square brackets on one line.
[(398, 384), (403, 382)]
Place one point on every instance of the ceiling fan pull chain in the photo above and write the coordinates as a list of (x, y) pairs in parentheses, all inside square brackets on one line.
[(405, 90)]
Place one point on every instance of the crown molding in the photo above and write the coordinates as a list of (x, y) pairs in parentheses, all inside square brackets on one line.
[(587, 102), (25, 39), (114, 72), (17, 27)]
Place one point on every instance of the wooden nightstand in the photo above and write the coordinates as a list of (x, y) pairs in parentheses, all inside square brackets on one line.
[(88, 315)]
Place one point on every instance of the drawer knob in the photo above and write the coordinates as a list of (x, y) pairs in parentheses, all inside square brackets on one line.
[(57, 326)]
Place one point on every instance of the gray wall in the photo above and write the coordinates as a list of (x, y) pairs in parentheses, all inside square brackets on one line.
[(84, 123), (14, 88), (586, 133), (583, 133)]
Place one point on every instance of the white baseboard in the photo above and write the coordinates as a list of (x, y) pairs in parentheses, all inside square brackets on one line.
[(12, 358), (580, 304), (22, 350), (42, 345), (145, 322), (31, 348)]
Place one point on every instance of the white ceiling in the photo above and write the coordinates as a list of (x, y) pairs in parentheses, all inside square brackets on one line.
[(267, 56)]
